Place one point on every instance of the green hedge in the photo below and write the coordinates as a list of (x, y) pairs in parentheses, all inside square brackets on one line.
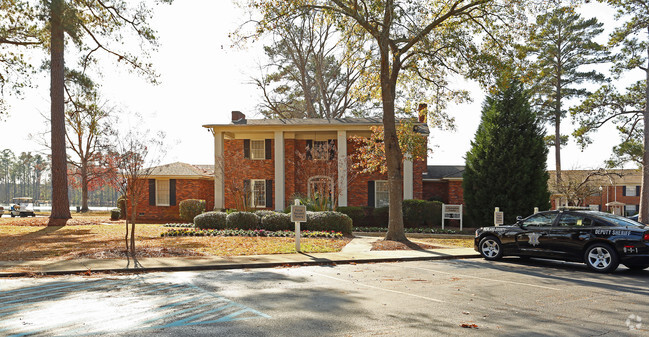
[(190, 208), (328, 221), (416, 213), (211, 220), (242, 220), (115, 213), (277, 222)]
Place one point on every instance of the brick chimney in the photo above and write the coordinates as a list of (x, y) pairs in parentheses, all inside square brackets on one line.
[(238, 117), (423, 112)]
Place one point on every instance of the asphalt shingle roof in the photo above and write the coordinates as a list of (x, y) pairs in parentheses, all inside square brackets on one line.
[(444, 172), (183, 169)]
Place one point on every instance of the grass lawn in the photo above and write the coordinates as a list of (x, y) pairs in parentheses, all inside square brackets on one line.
[(92, 236), (455, 243)]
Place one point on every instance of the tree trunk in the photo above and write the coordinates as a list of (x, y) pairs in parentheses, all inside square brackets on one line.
[(644, 191), (84, 189), (133, 213), (557, 129), (60, 201), (394, 157)]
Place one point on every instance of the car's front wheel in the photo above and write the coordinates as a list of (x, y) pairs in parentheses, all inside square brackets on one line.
[(601, 257), (491, 248), (637, 266)]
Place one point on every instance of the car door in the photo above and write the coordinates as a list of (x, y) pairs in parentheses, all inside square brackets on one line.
[(533, 238), (567, 237)]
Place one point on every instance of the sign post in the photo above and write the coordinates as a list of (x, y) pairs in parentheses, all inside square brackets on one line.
[(452, 212), (499, 217), (298, 214)]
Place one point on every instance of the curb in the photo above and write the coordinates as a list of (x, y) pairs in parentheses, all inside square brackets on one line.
[(317, 262)]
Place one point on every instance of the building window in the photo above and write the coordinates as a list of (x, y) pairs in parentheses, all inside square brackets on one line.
[(257, 149), (162, 192), (630, 191), (258, 193), (321, 186), (630, 210), (320, 150), (381, 193)]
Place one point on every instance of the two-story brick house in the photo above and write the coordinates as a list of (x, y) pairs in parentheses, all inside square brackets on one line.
[(272, 159)]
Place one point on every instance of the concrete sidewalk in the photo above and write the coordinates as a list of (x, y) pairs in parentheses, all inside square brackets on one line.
[(357, 251)]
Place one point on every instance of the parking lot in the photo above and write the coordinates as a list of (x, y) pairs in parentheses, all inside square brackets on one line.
[(458, 297)]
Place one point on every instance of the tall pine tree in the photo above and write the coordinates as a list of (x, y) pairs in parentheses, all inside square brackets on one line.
[(506, 166)]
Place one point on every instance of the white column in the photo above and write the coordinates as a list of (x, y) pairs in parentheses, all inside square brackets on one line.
[(219, 165), (279, 171), (407, 177), (342, 168)]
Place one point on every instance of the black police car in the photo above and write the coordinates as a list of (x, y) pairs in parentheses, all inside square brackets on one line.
[(601, 240)]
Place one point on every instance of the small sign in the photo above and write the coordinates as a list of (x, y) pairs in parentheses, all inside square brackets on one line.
[(499, 218), (298, 213), (451, 212)]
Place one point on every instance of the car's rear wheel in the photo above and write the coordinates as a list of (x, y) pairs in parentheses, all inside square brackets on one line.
[(600, 257), (491, 248), (637, 266)]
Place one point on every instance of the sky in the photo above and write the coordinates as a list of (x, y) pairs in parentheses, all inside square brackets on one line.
[(203, 78)]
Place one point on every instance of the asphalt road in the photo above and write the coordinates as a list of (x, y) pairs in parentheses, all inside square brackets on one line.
[(508, 298)]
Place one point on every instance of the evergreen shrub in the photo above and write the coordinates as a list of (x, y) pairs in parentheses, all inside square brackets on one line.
[(328, 221), (211, 220), (277, 222), (190, 208), (242, 220)]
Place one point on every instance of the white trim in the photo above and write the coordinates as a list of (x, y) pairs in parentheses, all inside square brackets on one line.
[(279, 171), (408, 180), (342, 168), (219, 186), (158, 182), (252, 193), (263, 149), (376, 199)]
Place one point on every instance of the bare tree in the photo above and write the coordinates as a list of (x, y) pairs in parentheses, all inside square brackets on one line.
[(134, 154), (576, 186)]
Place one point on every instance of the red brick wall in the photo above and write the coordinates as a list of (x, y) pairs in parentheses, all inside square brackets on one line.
[(436, 190), (185, 189), (455, 192), (238, 169)]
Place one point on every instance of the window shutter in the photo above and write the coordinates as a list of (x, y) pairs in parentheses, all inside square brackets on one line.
[(269, 193), (332, 149), (309, 148), (624, 190), (269, 148), (172, 192), (637, 190), (247, 193), (370, 194), (246, 148), (151, 192)]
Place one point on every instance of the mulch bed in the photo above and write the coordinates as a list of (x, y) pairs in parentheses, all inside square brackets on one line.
[(118, 253), (394, 245)]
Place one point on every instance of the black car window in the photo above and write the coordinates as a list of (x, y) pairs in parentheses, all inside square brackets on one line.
[(539, 220), (574, 220), (617, 220)]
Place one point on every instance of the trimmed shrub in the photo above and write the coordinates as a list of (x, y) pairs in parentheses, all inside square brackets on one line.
[(328, 221), (121, 204), (242, 220), (210, 220), (277, 222), (114, 214), (357, 214), (417, 213), (380, 216), (262, 213), (436, 220), (190, 208)]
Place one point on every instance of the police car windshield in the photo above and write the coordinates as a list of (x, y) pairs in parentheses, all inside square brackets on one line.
[(620, 221)]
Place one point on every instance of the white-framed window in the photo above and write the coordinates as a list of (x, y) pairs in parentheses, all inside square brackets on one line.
[(630, 191), (320, 186), (630, 210), (258, 187), (162, 192), (257, 149), (381, 193)]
